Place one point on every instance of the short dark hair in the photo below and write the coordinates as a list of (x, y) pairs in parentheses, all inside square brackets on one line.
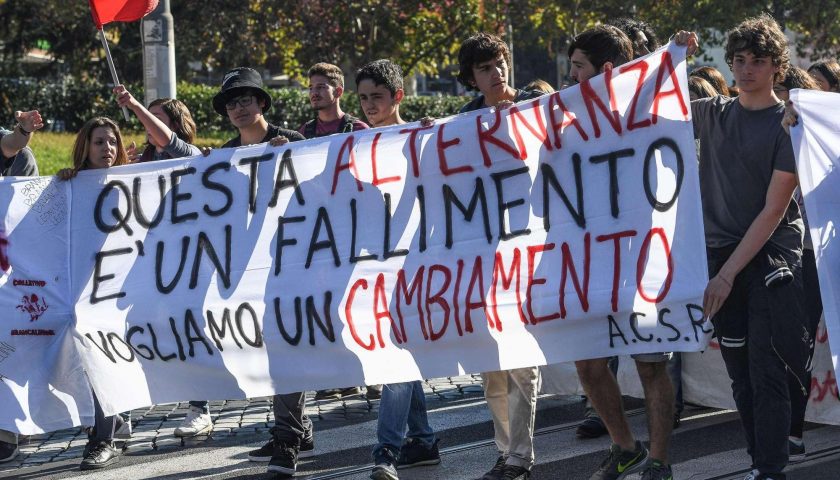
[(602, 44), (335, 76), (382, 72), (829, 69), (479, 48), (640, 33), (799, 78), (763, 37)]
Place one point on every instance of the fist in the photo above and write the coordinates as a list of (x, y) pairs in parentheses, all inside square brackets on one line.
[(30, 121)]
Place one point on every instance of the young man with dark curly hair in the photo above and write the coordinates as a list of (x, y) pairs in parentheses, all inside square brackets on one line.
[(484, 63), (640, 33), (754, 239)]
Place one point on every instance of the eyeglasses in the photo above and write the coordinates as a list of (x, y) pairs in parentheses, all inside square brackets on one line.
[(243, 101)]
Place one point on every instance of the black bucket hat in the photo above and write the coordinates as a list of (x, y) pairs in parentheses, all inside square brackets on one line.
[(235, 83)]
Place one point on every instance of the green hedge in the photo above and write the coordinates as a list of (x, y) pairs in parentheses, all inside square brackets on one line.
[(74, 103)]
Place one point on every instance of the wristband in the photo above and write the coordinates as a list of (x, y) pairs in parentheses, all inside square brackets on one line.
[(22, 131), (726, 281)]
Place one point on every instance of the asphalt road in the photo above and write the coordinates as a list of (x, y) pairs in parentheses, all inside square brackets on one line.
[(709, 445)]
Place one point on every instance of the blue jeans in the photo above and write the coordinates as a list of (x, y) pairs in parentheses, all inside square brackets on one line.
[(402, 405)]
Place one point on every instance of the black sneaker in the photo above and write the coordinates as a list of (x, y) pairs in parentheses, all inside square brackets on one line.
[(591, 427), (385, 465), (262, 454), (307, 447), (498, 470), (415, 453), (515, 472), (796, 451), (621, 463), (373, 392), (337, 393), (351, 392), (657, 470), (100, 455), (8, 451), (769, 476), (284, 459), (328, 394)]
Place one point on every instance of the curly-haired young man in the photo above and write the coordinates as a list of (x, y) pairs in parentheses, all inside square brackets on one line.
[(754, 239), (511, 394)]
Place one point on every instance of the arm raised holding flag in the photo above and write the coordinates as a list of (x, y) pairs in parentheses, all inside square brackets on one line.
[(107, 11)]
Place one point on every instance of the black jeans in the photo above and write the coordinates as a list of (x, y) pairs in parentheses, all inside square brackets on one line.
[(760, 333), (291, 425), (813, 308), (103, 427)]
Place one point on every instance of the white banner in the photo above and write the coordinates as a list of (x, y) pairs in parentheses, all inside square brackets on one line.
[(387, 255), (816, 143), (42, 383), (563, 228)]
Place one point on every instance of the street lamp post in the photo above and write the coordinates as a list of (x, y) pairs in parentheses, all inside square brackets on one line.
[(158, 36)]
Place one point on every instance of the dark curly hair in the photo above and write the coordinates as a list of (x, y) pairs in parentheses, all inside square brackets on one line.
[(479, 48), (763, 37), (640, 33), (382, 72)]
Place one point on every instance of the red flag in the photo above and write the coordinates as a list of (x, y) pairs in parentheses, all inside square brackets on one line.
[(107, 11)]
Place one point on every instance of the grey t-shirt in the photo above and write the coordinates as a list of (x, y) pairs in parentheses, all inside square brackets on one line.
[(739, 150), (21, 165), (176, 148)]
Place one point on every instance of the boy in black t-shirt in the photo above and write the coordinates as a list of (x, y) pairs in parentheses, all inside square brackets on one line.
[(753, 239), (244, 101)]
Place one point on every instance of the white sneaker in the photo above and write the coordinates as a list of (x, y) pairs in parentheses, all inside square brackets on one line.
[(752, 475), (196, 423)]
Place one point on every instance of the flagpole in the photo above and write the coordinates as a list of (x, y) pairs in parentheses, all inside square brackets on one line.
[(111, 65)]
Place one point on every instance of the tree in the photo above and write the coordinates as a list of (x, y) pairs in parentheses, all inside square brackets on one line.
[(66, 31), (423, 36)]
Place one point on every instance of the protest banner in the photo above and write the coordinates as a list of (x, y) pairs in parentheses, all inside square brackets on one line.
[(816, 144), (388, 255), (565, 227), (42, 383)]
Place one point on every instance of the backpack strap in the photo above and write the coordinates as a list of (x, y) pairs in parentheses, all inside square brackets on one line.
[(310, 128), (346, 125)]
